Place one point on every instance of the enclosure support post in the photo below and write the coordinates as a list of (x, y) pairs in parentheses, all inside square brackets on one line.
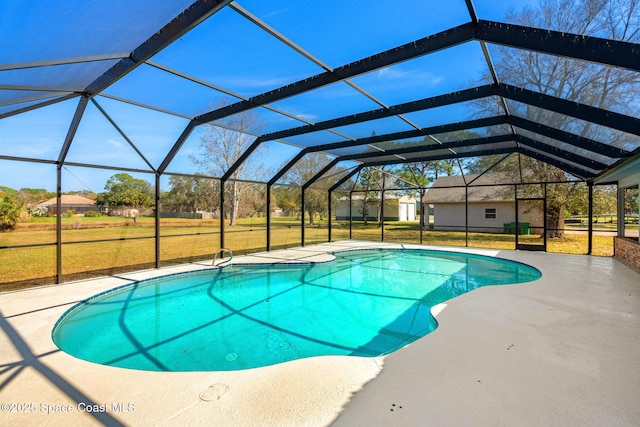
[(329, 205), (422, 218), (546, 224), (466, 216), (157, 220), (350, 216), (517, 219), (382, 213), (268, 217), (382, 208), (302, 216), (75, 122), (590, 219), (59, 224), (222, 182), (620, 211)]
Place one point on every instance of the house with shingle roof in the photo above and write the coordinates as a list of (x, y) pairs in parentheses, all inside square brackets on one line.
[(490, 205), (69, 202)]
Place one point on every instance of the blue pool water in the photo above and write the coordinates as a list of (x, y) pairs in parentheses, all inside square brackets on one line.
[(365, 303)]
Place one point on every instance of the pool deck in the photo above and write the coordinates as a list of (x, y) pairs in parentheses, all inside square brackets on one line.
[(561, 351)]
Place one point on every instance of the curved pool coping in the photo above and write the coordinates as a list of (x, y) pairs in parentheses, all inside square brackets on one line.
[(330, 258)]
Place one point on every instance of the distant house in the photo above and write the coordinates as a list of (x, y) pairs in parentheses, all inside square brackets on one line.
[(489, 207), (396, 208), (78, 204)]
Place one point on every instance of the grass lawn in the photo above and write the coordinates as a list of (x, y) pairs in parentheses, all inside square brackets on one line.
[(80, 258)]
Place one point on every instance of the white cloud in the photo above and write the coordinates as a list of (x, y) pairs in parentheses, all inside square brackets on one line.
[(310, 117), (115, 143), (275, 13), (396, 73)]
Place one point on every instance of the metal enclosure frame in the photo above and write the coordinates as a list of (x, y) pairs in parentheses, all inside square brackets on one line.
[(586, 166)]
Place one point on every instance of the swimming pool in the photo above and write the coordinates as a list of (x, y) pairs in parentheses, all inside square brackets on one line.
[(364, 303)]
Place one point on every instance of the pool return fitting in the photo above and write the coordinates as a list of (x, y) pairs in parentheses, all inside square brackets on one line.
[(221, 252)]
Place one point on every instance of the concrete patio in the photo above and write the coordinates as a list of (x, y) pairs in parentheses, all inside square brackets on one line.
[(563, 350)]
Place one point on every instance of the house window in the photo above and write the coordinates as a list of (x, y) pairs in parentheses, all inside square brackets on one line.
[(490, 213)]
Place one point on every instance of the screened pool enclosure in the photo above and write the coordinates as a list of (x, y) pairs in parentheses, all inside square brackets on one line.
[(199, 125)]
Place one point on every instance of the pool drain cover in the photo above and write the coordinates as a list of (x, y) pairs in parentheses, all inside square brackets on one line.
[(214, 392), (231, 357)]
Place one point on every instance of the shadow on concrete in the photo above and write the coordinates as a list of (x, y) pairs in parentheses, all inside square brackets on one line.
[(29, 359)]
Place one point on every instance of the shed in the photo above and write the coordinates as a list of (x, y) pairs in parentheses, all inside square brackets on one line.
[(396, 208)]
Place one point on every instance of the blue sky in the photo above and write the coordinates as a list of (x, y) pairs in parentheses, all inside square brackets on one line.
[(226, 51)]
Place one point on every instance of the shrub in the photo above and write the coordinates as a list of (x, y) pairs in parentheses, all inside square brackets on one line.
[(92, 214), (70, 213), (40, 211), (10, 211)]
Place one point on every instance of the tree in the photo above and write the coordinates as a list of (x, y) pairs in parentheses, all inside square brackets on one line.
[(10, 210), (631, 201), (604, 87), (420, 174), (191, 194), (302, 172), (591, 84), (33, 195), (221, 145), (604, 200), (7, 191), (256, 203), (371, 180), (287, 198), (123, 190), (83, 193), (315, 201)]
